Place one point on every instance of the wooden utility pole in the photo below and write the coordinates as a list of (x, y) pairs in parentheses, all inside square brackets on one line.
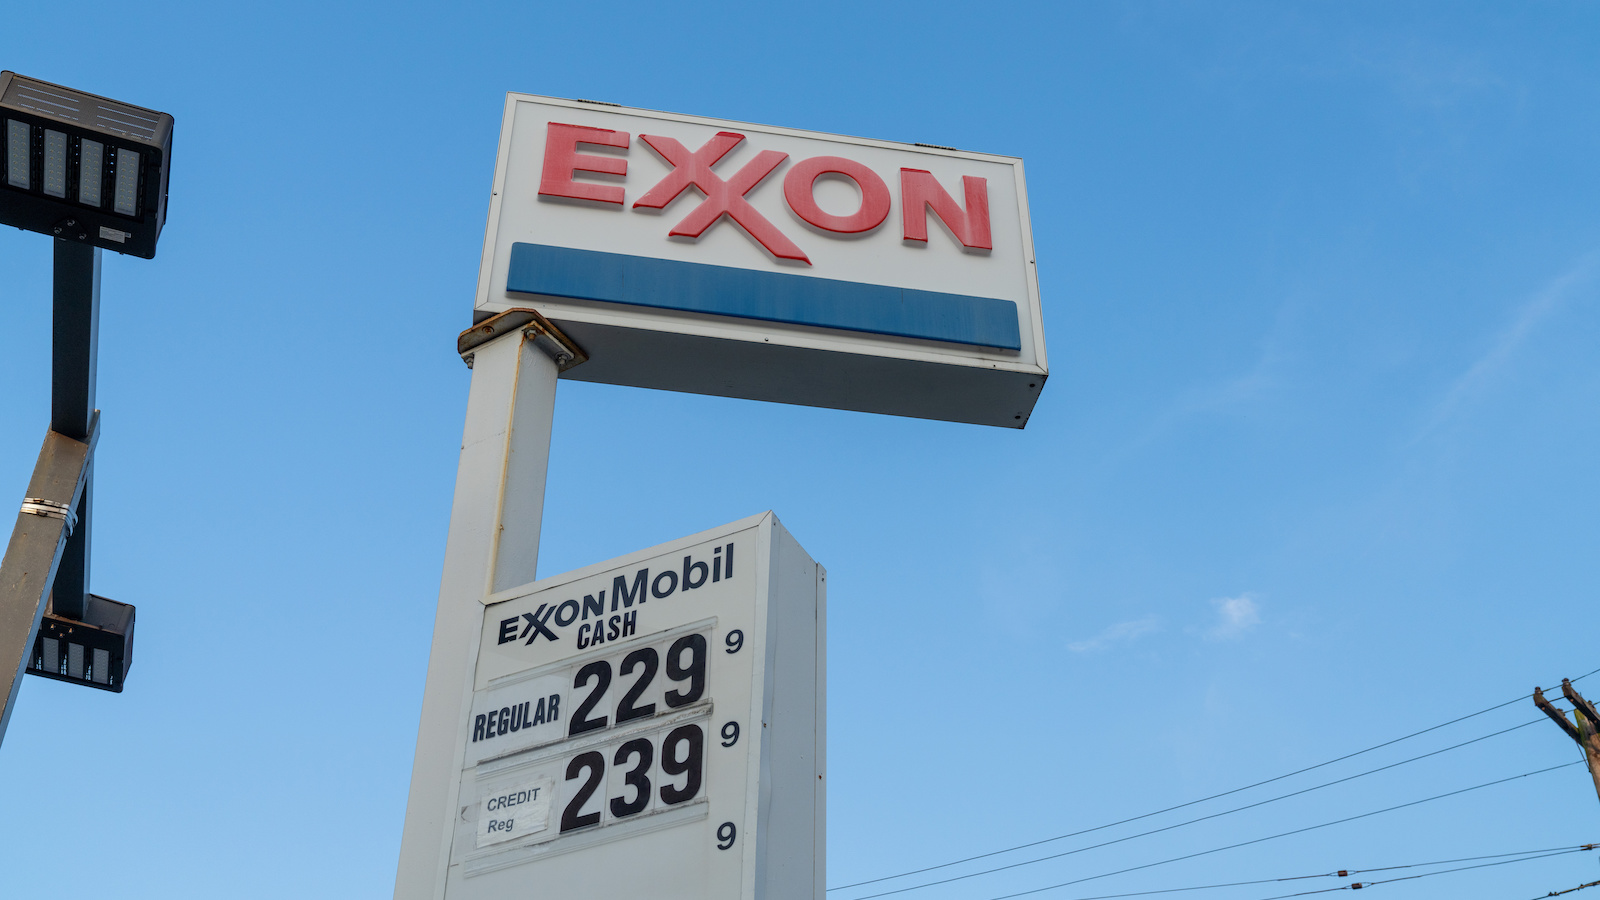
[(1587, 730)]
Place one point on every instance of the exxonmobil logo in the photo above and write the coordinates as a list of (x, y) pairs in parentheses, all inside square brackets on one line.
[(920, 192)]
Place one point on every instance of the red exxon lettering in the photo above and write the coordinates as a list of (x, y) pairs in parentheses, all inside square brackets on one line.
[(919, 190), (799, 184), (722, 197), (562, 160)]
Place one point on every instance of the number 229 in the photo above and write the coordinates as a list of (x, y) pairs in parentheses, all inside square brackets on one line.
[(646, 661)]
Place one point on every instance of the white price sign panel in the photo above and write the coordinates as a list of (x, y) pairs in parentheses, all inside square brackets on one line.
[(652, 726)]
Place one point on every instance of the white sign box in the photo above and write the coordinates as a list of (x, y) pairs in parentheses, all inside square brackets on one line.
[(724, 258), (652, 726)]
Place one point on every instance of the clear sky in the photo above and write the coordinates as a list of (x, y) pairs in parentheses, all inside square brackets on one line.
[(1315, 468)]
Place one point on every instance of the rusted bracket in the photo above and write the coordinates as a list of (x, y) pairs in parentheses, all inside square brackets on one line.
[(541, 331)]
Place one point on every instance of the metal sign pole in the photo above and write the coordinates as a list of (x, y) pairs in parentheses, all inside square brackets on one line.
[(493, 544)]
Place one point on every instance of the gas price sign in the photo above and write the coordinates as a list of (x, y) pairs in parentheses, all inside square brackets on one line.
[(650, 726)]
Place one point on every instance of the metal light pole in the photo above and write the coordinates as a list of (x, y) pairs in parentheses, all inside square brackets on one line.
[(92, 173)]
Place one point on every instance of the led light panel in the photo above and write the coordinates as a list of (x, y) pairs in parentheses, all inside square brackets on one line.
[(17, 154), (91, 162), (55, 164), (125, 198)]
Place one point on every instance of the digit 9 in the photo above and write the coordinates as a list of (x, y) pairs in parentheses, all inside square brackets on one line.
[(694, 645), (687, 742)]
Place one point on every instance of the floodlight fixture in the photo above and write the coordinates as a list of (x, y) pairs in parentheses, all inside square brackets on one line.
[(81, 167), (95, 651)]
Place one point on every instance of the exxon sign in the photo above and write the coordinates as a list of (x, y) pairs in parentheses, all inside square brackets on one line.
[(715, 257)]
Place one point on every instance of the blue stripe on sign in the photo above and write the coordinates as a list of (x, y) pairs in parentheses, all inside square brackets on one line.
[(768, 296)]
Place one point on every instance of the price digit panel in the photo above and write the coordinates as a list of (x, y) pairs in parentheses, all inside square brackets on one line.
[(595, 784), (625, 685)]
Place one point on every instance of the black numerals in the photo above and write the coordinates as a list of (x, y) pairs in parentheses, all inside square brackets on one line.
[(636, 777), (685, 665), (596, 764), (730, 733), (687, 742), (600, 673), (726, 832), (694, 645), (663, 767), (734, 640), (650, 660), (680, 755)]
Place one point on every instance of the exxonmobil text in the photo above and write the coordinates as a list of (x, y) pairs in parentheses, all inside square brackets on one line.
[(626, 591)]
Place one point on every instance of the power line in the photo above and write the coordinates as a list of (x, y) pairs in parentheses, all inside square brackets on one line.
[(1062, 837), (1215, 815), (1446, 862), (1584, 675), (1229, 846), (1568, 890), (1552, 851), (1368, 884), (1504, 862)]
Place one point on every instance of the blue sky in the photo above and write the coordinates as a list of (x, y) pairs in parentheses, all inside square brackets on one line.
[(1314, 469)]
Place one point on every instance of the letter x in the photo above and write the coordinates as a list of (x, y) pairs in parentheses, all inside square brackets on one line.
[(536, 624), (722, 197)]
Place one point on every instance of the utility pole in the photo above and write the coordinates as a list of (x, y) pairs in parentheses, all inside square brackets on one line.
[(1586, 733)]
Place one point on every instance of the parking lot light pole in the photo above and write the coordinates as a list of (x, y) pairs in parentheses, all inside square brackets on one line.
[(92, 173)]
